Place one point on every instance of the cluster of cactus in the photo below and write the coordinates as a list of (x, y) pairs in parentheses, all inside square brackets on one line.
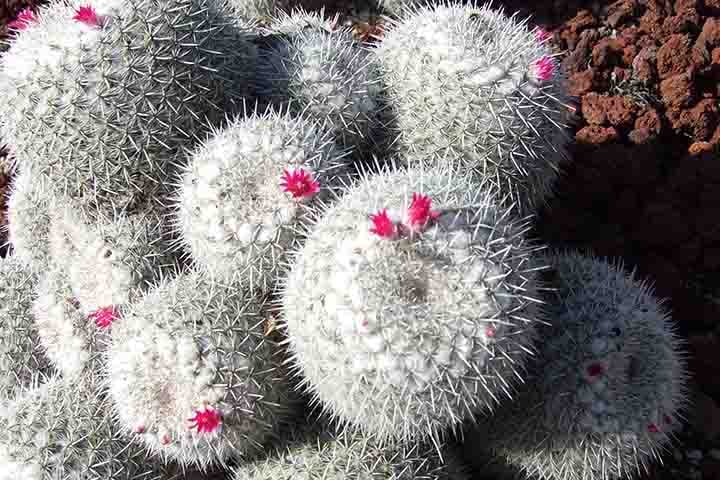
[(272, 250)]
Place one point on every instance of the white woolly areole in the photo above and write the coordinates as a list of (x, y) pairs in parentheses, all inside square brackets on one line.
[(408, 337), (189, 343), (232, 211), (463, 84)]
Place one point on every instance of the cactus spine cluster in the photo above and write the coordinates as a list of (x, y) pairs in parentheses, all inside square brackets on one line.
[(218, 205)]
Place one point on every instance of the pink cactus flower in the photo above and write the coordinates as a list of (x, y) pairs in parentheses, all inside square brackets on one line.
[(86, 14), (299, 183), (652, 428), (543, 69), (206, 420), (105, 316), (23, 20), (419, 213), (542, 35), (595, 370), (382, 225)]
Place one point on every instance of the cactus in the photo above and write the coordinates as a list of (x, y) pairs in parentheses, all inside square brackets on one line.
[(606, 393), (110, 259), (21, 357), (193, 374), (353, 457), (101, 103), (470, 86), (246, 191), (406, 316), (325, 73), (71, 340), (62, 430), (28, 219), (299, 19)]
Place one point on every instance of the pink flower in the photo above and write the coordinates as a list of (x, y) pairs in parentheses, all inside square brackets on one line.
[(206, 420), (543, 68), (299, 183), (86, 14), (542, 35), (419, 213), (652, 428), (24, 18), (104, 317), (382, 225), (595, 370)]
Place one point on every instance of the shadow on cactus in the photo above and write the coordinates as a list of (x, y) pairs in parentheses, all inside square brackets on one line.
[(606, 393)]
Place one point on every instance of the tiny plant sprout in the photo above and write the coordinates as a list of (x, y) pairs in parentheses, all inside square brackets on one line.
[(299, 183), (24, 18)]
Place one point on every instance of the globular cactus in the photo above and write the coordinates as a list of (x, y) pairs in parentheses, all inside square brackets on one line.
[(100, 103), (194, 372), (353, 457), (324, 72), (110, 259), (60, 429), (412, 303), (21, 355), (469, 85), (247, 190), (28, 218), (299, 19), (606, 393), (70, 339)]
